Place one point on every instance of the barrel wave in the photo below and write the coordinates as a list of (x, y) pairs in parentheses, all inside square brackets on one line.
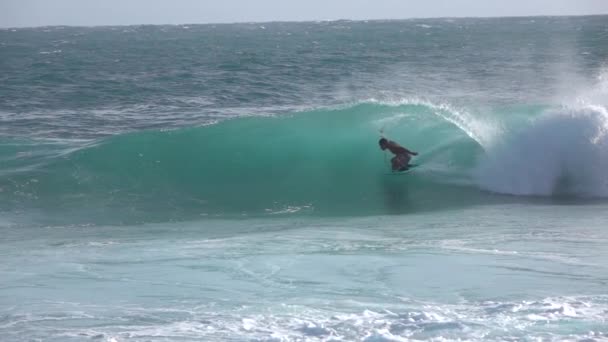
[(319, 162), (325, 162)]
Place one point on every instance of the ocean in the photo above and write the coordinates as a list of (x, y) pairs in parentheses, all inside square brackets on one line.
[(224, 182)]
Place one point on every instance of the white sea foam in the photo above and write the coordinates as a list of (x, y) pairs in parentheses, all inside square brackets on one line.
[(404, 320), (563, 152)]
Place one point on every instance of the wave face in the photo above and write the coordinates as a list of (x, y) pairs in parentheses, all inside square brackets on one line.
[(324, 161)]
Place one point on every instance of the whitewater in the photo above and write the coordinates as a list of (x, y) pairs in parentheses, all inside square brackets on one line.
[(224, 182)]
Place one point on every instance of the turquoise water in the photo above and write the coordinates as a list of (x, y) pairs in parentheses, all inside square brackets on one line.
[(223, 182)]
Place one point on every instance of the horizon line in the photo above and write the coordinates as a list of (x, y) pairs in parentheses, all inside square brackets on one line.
[(310, 21)]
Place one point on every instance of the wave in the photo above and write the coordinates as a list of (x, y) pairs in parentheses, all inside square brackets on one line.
[(562, 153), (324, 161), (321, 162)]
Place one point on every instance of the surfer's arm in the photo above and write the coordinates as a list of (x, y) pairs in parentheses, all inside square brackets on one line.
[(408, 151)]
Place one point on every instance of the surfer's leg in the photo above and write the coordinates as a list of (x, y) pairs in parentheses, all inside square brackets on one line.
[(400, 162), (395, 165), (406, 160)]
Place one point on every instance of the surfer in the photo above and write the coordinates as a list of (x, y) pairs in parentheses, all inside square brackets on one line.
[(401, 160)]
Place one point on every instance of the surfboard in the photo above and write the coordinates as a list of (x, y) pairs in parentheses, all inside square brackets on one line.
[(404, 172)]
